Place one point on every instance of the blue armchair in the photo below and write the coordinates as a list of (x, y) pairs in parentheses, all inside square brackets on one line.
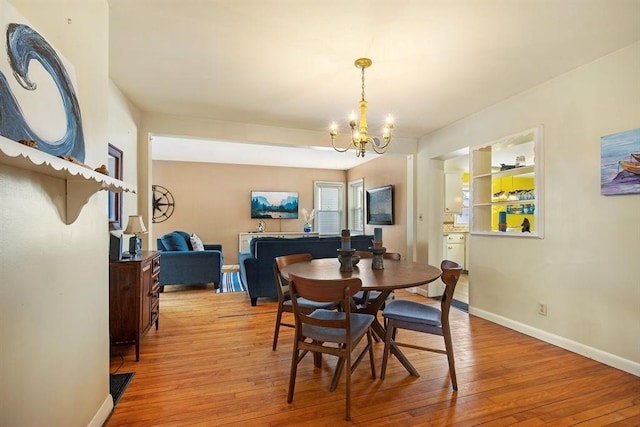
[(181, 265)]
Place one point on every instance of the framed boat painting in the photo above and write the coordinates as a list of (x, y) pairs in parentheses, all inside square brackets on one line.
[(620, 163)]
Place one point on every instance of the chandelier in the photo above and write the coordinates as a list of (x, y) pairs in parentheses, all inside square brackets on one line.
[(359, 131)]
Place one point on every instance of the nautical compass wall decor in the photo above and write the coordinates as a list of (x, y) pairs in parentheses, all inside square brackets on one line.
[(163, 203)]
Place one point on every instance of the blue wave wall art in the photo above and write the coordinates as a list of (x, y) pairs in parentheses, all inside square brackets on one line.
[(24, 44)]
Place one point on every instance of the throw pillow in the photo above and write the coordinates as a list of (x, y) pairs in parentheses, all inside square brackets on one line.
[(174, 242), (196, 243)]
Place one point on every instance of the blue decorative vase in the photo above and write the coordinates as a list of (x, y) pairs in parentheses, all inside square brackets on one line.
[(307, 227), (502, 221)]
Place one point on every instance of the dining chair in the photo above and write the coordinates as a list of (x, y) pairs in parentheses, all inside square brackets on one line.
[(419, 317), (336, 333), (284, 300), (363, 297)]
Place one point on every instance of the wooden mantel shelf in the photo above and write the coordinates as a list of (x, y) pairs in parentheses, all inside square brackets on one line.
[(81, 183)]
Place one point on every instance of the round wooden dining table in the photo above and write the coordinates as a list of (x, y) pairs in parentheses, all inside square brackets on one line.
[(395, 275)]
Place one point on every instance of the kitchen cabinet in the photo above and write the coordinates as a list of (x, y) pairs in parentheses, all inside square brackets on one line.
[(453, 192), (503, 194), (454, 248)]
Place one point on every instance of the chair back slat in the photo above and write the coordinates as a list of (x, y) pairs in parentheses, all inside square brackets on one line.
[(450, 275), (325, 290), (286, 260), (282, 286)]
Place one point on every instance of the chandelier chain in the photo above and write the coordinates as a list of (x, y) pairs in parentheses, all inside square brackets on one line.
[(362, 68)]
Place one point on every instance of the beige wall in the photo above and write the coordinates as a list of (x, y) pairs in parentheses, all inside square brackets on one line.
[(213, 200), (54, 329), (388, 169), (162, 124), (585, 268)]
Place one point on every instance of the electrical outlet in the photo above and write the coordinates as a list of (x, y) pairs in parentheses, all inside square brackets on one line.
[(542, 309)]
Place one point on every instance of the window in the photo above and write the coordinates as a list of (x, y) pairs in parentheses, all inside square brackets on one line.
[(463, 217), (329, 206), (114, 165), (355, 201)]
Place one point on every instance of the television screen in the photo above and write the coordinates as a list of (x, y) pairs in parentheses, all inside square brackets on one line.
[(380, 205), (115, 246), (274, 204)]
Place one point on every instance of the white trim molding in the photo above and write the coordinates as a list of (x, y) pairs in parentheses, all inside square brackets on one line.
[(573, 346)]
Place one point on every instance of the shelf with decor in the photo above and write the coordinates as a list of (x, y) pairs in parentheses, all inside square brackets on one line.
[(504, 194), (80, 181)]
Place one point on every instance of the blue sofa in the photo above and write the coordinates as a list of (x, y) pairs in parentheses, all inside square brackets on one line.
[(256, 266), (181, 265)]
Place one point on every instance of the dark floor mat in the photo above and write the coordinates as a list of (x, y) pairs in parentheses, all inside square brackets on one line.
[(118, 383)]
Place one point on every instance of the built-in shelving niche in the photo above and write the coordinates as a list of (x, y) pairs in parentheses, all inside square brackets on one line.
[(81, 183), (487, 179)]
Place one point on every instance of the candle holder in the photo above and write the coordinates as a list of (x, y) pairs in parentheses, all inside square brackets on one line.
[(377, 260), (345, 256)]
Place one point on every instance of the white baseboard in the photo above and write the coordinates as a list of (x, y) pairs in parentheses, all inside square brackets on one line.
[(576, 347), (103, 413)]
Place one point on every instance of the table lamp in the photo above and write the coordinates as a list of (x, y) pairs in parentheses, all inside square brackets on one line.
[(135, 227)]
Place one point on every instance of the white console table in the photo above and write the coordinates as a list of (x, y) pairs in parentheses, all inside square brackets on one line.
[(244, 239)]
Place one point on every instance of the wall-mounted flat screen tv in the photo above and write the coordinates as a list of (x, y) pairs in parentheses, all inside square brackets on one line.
[(380, 205), (274, 204)]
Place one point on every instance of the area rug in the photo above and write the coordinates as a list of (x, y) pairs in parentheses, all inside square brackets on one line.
[(118, 383), (231, 283), (463, 306), (460, 305)]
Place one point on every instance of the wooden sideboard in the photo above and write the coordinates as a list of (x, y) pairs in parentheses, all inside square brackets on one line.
[(134, 298), (244, 239)]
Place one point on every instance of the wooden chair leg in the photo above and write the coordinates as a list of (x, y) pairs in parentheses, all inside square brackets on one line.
[(347, 362), (387, 347), (292, 374), (371, 355), (336, 374), (277, 330), (448, 344), (317, 359)]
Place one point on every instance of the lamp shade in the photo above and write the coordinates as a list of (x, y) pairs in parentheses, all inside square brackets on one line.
[(135, 225)]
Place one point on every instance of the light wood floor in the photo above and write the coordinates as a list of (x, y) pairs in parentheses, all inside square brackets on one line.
[(211, 364), (462, 289)]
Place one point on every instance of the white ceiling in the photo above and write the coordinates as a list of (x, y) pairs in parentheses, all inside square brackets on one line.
[(289, 63), (213, 151)]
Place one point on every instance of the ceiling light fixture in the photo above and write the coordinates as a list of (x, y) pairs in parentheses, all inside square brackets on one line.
[(359, 135)]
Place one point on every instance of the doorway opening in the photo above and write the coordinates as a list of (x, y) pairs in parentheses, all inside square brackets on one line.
[(455, 220)]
